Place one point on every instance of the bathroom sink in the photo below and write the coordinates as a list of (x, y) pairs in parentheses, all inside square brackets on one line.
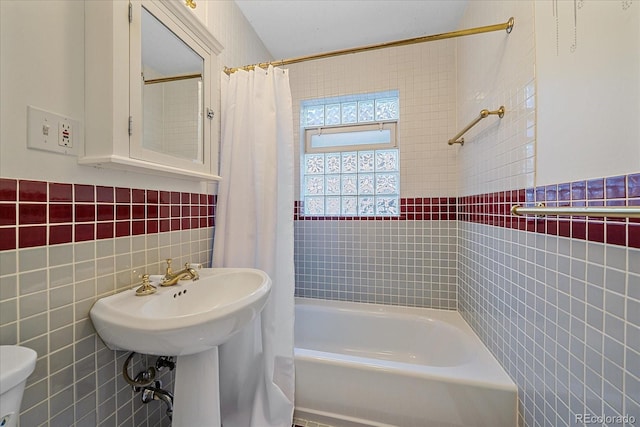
[(187, 318)]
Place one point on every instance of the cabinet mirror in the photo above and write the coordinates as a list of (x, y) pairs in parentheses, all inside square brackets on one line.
[(172, 94), (150, 89)]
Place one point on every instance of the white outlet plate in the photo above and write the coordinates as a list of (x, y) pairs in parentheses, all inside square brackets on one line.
[(52, 132)]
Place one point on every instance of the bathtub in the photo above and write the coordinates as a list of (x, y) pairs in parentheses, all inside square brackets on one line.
[(377, 365)]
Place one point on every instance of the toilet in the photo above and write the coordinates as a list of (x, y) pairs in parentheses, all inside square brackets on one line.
[(16, 364)]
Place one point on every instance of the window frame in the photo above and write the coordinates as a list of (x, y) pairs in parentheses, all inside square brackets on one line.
[(390, 125), (313, 119)]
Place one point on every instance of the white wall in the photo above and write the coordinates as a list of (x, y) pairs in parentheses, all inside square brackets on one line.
[(497, 69), (229, 26), (42, 45), (588, 95)]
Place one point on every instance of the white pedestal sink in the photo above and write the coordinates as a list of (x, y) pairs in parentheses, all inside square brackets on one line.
[(188, 320)]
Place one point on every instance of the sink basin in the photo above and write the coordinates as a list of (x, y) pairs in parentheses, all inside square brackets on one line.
[(187, 318)]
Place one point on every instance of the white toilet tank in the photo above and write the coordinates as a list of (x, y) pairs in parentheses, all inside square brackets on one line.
[(16, 364)]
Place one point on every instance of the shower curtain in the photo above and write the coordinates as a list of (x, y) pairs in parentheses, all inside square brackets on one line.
[(254, 228)]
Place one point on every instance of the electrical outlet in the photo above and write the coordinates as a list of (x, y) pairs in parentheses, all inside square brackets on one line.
[(52, 132), (64, 134)]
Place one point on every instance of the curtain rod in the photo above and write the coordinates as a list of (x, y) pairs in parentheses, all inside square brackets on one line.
[(508, 26)]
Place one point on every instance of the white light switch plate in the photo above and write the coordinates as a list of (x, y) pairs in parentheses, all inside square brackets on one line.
[(52, 132)]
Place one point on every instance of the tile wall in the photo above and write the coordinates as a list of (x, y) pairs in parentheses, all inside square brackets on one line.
[(497, 69), (560, 315), (623, 190), (63, 246), (405, 260), (409, 263), (555, 299), (424, 74)]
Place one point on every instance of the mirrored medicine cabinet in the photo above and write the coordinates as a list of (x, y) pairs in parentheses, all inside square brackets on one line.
[(149, 89)]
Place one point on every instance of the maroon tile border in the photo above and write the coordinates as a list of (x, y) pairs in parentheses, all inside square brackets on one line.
[(8, 190), (623, 190), (37, 213), (495, 209), (411, 209)]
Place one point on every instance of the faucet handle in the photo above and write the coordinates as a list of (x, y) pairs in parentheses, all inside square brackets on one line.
[(147, 288), (169, 271)]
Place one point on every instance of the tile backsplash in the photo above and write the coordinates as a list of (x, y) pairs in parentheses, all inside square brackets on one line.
[(62, 246)]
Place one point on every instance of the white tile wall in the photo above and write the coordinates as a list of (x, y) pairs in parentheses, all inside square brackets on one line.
[(497, 69), (426, 78), (181, 126)]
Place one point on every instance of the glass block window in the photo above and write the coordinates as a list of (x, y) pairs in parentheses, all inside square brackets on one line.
[(351, 163), (352, 183), (365, 108)]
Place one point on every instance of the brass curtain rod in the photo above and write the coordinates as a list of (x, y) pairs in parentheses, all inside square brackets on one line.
[(483, 114), (589, 211), (508, 26), (172, 79)]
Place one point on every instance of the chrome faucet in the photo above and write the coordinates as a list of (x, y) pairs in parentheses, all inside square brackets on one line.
[(170, 278)]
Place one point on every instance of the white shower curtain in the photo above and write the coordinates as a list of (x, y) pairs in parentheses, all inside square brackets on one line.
[(254, 228)]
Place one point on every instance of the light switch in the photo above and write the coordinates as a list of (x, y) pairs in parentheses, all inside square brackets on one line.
[(52, 132)]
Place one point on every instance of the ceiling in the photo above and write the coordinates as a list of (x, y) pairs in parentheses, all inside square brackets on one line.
[(292, 28)]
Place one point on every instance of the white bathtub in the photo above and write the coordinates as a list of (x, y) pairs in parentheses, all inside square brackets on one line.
[(377, 365)]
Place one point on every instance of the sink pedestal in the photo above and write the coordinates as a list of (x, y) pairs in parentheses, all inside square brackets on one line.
[(197, 390), (189, 317)]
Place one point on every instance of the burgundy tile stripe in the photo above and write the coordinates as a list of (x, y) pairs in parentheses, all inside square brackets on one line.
[(37, 213), (495, 209), (420, 209), (623, 190)]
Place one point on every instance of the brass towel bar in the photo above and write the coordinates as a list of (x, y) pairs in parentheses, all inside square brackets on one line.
[(593, 211), (483, 114)]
